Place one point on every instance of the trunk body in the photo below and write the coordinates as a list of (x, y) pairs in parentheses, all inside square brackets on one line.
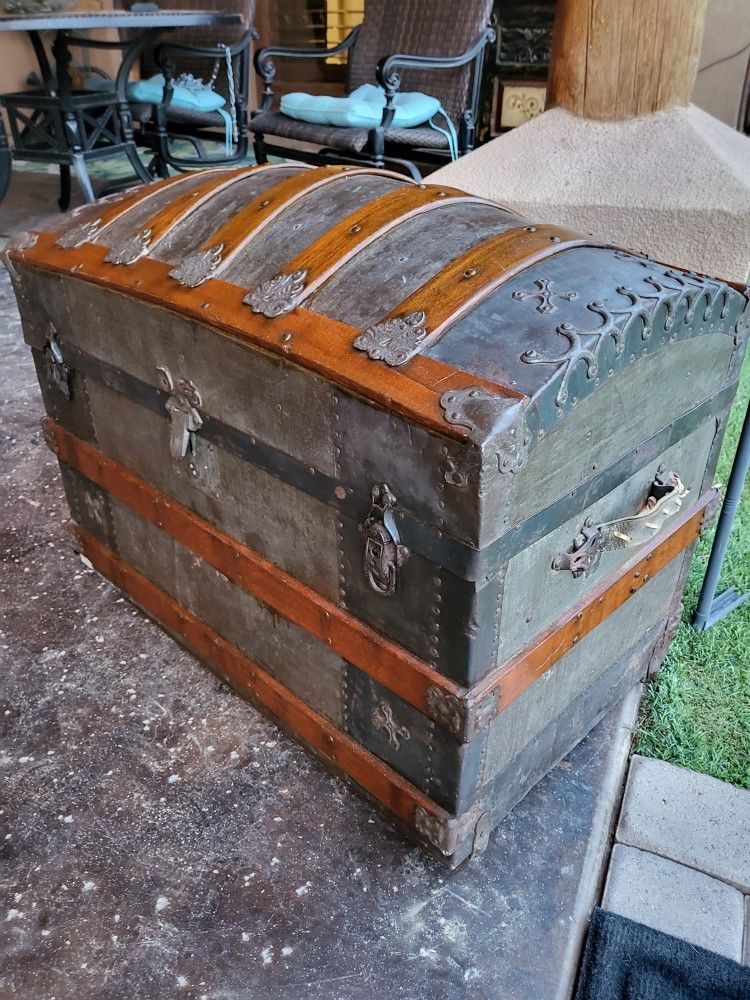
[(418, 478)]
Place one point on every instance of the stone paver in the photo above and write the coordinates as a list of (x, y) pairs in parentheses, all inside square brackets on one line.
[(688, 817), (746, 949), (676, 900)]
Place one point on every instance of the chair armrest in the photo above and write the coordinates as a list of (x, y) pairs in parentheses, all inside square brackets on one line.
[(161, 52), (266, 68), (390, 80)]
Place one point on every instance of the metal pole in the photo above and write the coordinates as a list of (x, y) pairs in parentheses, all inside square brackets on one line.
[(711, 608)]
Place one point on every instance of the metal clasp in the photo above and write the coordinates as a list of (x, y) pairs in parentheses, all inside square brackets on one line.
[(384, 554), (59, 372), (182, 407)]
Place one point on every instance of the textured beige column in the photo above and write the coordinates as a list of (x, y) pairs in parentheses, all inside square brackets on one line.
[(615, 59)]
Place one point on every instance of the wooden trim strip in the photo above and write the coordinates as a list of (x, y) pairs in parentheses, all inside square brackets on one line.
[(515, 676), (186, 203), (292, 714), (114, 210), (402, 673), (374, 220), (304, 338), (473, 276), (392, 666), (258, 213)]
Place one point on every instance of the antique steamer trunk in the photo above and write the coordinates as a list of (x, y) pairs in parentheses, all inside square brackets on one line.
[(420, 479)]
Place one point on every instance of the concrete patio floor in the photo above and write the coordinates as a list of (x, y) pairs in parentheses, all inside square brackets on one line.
[(160, 838)]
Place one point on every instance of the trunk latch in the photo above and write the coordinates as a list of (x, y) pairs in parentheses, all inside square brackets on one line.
[(182, 406), (384, 554)]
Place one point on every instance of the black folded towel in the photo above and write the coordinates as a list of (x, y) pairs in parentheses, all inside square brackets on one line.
[(624, 960)]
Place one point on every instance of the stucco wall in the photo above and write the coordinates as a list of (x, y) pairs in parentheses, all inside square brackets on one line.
[(719, 83)]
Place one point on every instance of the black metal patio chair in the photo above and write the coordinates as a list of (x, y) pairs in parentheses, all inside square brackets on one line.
[(220, 57), (404, 45)]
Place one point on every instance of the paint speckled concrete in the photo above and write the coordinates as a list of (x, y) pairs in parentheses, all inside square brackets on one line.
[(160, 839)]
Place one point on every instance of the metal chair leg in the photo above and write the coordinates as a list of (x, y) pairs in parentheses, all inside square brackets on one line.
[(259, 149), (6, 162), (711, 608), (64, 200), (79, 165)]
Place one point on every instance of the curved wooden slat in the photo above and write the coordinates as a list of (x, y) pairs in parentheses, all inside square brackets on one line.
[(164, 221), (315, 342), (103, 214), (373, 221), (239, 231), (470, 278)]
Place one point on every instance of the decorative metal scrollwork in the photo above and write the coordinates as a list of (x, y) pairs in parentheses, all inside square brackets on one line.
[(544, 296), (197, 267), (394, 340), (84, 232), (134, 247), (383, 554), (278, 295), (382, 718), (584, 345)]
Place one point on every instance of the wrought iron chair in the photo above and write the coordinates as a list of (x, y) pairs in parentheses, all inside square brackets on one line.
[(221, 54), (435, 47)]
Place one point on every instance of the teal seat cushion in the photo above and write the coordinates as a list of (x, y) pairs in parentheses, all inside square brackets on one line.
[(185, 95), (363, 108)]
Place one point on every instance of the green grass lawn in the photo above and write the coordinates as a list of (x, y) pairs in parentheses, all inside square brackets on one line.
[(696, 712)]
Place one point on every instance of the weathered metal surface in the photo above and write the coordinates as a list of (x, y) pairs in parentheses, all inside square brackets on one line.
[(604, 428), (571, 676), (196, 228), (256, 508), (625, 307), (540, 593), (284, 649), (297, 418)]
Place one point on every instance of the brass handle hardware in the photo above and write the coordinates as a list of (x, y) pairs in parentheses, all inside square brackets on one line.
[(664, 500)]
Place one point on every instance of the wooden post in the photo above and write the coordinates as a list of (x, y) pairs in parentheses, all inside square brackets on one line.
[(617, 59)]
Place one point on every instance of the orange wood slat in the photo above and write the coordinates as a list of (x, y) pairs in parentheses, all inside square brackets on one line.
[(314, 730), (477, 273), (390, 664), (371, 222), (314, 342)]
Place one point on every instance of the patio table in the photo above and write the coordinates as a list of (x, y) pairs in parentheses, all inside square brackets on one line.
[(69, 127)]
